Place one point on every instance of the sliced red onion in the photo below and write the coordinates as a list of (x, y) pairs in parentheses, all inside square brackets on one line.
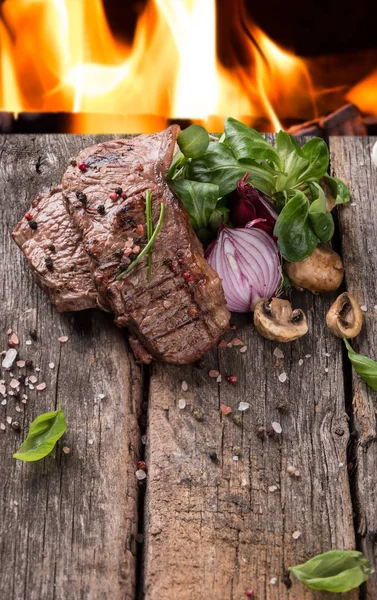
[(248, 262)]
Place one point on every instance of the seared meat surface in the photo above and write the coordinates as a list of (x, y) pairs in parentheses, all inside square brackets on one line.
[(92, 232), (55, 253), (181, 312)]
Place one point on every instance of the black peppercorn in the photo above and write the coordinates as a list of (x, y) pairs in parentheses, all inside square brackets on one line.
[(119, 253), (129, 148), (33, 225), (101, 209), (29, 363), (51, 247), (118, 191), (16, 426), (123, 266), (49, 263), (81, 196), (22, 379)]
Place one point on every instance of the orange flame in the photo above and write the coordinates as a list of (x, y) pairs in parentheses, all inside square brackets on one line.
[(170, 71)]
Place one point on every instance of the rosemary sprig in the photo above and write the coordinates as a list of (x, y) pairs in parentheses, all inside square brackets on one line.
[(149, 223), (146, 249)]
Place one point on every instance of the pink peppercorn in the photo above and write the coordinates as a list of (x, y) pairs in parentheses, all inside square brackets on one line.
[(232, 379), (127, 251), (193, 312), (28, 216), (136, 249), (113, 196), (123, 195), (142, 465), (82, 166), (140, 229), (11, 344), (250, 593)]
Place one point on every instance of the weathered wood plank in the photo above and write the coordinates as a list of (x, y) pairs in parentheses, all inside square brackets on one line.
[(216, 525), (68, 523), (351, 161)]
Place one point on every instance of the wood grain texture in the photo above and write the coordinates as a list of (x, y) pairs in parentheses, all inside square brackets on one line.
[(217, 527), (68, 523), (351, 161)]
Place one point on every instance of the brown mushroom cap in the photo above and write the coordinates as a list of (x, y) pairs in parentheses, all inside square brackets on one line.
[(322, 271), (276, 320), (345, 319)]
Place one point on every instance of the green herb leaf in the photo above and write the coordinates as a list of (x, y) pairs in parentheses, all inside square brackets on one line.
[(321, 220), (199, 199), (220, 167), (334, 571), (246, 143), (43, 434), (149, 225), (317, 155), (193, 141), (365, 367), (146, 249), (293, 162), (296, 238), (176, 167), (337, 188)]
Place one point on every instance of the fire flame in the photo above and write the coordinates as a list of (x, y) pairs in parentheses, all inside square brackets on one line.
[(61, 56)]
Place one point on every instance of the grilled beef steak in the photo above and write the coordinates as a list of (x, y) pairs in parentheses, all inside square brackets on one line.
[(180, 312), (52, 246)]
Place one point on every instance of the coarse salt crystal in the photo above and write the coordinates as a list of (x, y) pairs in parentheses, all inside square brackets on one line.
[(41, 386), (30, 386), (20, 363), (101, 396), (273, 488), (143, 439), (4, 402), (9, 420), (243, 406), (326, 354), (364, 308), (24, 401), (51, 365), (326, 370), (181, 403), (11, 393), (140, 474), (62, 339), (184, 386), (218, 379), (273, 580), (235, 458), (2, 426), (213, 373), (14, 383), (33, 379), (28, 342), (243, 349), (296, 534), (278, 353), (375, 307), (90, 441), (308, 355), (276, 427), (9, 358), (3, 389), (300, 362), (282, 377), (66, 450), (18, 408), (37, 369), (9, 331)]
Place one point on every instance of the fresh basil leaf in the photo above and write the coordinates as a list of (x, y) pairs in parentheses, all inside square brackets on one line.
[(321, 220), (246, 143), (280, 200), (199, 199), (365, 367), (193, 141), (219, 166), (317, 155), (338, 189), (293, 162), (334, 571), (296, 238), (43, 434)]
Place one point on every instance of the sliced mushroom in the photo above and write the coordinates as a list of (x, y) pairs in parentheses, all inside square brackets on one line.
[(322, 271), (345, 319), (276, 320)]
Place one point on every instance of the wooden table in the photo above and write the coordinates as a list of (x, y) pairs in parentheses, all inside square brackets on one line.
[(220, 508)]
